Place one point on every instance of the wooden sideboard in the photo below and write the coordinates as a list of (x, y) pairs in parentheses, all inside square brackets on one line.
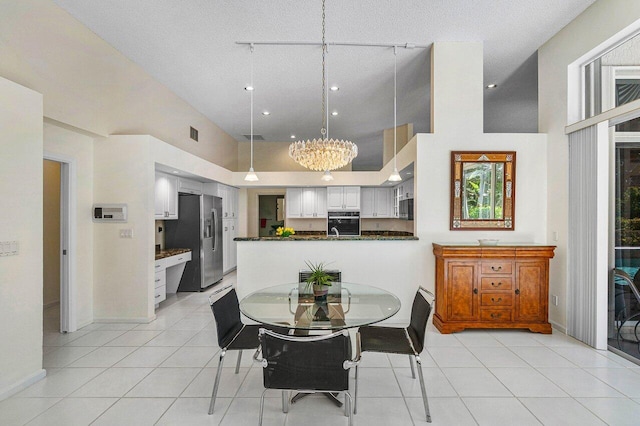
[(504, 286)]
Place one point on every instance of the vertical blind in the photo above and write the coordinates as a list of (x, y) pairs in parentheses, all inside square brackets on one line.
[(582, 247)]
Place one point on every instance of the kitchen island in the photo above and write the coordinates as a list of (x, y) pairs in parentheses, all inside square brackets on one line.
[(391, 262)]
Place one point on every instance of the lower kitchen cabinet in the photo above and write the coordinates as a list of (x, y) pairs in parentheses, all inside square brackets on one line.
[(168, 271), (492, 287), (229, 247)]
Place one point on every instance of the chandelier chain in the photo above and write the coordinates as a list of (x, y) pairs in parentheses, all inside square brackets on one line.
[(323, 131)]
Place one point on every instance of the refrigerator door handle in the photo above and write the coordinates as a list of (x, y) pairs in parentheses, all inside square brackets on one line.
[(215, 229)]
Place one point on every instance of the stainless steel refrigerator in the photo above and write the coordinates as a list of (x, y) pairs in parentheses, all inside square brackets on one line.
[(199, 228)]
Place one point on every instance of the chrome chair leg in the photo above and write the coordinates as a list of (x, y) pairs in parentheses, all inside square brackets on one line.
[(355, 394), (348, 401), (285, 401), (238, 363), (424, 391), (217, 381), (413, 370), (261, 407)]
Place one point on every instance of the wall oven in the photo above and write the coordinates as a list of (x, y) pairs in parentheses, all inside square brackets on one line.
[(343, 224), (406, 209)]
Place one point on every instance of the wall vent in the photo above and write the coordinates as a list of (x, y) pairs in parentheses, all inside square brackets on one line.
[(255, 137), (194, 134)]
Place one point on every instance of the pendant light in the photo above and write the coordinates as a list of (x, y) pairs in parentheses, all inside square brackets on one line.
[(251, 175), (395, 176)]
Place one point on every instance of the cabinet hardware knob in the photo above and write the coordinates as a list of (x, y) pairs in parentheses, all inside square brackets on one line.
[(517, 291), (496, 301), (499, 268), (494, 315), (475, 291)]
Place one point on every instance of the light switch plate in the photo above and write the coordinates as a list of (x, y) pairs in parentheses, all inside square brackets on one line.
[(9, 248), (126, 233)]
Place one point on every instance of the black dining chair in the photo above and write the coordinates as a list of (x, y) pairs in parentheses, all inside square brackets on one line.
[(406, 341), (232, 333), (306, 364), (626, 288)]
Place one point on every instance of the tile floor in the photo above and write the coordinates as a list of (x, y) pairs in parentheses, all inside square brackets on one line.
[(162, 373)]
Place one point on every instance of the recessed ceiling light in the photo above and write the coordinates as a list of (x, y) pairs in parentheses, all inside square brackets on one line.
[(334, 113), (265, 113), (492, 86), (176, 172), (293, 136), (334, 88), (248, 88)]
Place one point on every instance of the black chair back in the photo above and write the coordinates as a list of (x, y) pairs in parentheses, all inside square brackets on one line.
[(226, 311), (305, 363), (420, 311)]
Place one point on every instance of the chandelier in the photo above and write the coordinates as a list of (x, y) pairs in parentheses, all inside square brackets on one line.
[(323, 154)]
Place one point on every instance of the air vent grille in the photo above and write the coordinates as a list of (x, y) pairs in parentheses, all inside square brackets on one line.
[(194, 134), (255, 137)]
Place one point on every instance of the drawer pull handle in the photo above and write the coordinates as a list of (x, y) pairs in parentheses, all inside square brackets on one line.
[(157, 266), (179, 258), (158, 280), (157, 296), (496, 301), (494, 315), (499, 268), (475, 291), (496, 285)]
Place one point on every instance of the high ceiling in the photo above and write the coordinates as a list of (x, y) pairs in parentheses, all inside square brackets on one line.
[(190, 46)]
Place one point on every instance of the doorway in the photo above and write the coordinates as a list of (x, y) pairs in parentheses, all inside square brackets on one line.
[(270, 214), (58, 244)]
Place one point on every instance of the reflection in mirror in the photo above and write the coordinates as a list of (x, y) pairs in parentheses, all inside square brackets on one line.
[(482, 190), (483, 187)]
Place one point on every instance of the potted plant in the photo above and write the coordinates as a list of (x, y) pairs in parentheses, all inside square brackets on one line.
[(318, 278)]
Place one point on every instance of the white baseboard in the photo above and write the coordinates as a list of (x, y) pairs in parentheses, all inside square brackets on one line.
[(51, 304), (22, 384), (139, 320), (558, 327)]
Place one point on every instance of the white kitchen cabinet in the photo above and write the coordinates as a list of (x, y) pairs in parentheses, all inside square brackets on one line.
[(168, 272), (166, 196), (229, 247), (306, 203), (229, 195), (314, 202), (376, 203), (189, 186), (343, 198), (293, 202)]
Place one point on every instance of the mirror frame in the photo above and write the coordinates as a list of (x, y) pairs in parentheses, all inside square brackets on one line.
[(507, 223)]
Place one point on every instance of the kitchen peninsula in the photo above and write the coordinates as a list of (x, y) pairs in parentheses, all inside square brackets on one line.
[(390, 262)]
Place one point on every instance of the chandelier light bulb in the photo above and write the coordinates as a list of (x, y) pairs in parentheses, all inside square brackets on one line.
[(327, 176)]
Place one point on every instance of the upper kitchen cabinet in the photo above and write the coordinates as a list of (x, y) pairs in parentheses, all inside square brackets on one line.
[(376, 203), (229, 196), (189, 186), (306, 202), (343, 198), (166, 197)]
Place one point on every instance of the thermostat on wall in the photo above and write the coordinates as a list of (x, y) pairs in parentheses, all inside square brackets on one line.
[(109, 212)]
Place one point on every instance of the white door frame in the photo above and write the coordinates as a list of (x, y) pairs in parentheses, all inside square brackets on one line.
[(68, 203)]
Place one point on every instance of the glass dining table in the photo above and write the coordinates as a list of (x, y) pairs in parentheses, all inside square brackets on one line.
[(342, 305)]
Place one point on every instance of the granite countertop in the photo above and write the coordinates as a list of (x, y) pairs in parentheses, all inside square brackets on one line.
[(325, 238), (170, 252)]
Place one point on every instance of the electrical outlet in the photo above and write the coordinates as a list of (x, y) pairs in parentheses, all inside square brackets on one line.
[(126, 233), (555, 235), (554, 300), (377, 225), (310, 226)]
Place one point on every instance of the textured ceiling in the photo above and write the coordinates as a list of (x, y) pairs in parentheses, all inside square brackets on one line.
[(190, 46)]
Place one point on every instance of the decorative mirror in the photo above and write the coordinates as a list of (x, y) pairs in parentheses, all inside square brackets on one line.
[(483, 190)]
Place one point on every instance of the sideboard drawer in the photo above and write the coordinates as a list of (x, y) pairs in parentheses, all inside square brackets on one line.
[(496, 283), (496, 299), (496, 315), (496, 267)]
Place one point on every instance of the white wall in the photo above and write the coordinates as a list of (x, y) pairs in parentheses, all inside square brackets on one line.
[(77, 147), (20, 220), (88, 84), (594, 26)]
